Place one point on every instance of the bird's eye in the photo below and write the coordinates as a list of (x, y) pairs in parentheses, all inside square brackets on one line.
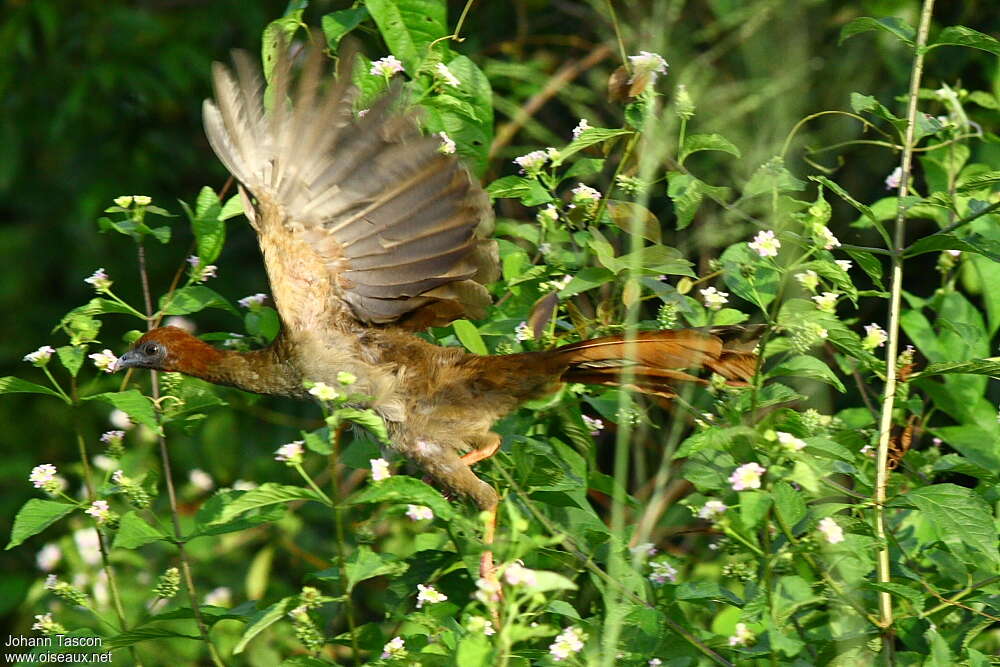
[(151, 349)]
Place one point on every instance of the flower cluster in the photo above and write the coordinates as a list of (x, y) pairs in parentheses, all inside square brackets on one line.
[(290, 453), (747, 476), (105, 360), (661, 572), (168, 584), (200, 272), (790, 442), (66, 591), (99, 280), (46, 477), (386, 67), (875, 336), (113, 440), (101, 512), (567, 644), (647, 63), (41, 356), (714, 299), (765, 244), (831, 530), (324, 392), (429, 595), (419, 513), (593, 424), (447, 146), (253, 301), (712, 509), (380, 469)]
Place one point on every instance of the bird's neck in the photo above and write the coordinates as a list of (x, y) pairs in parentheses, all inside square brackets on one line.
[(266, 371)]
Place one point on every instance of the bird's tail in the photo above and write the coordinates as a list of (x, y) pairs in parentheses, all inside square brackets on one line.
[(654, 362)]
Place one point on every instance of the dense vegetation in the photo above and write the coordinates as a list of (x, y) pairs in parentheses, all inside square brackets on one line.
[(677, 164)]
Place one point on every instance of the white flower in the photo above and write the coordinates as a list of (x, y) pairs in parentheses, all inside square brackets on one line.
[(712, 509), (647, 63), (419, 513), (445, 75), (808, 279), (219, 597), (124, 201), (831, 530), (548, 214), (765, 244), (523, 332), (827, 301), (199, 272), (380, 469), (99, 510), (480, 624), (447, 146), (517, 574), (142, 200), (790, 442), (954, 253), (644, 549), (46, 625), (386, 67), (893, 179), (100, 280), (741, 636), (555, 285), (568, 643), (243, 485), (593, 424), (868, 451), (394, 648), (323, 392), (844, 264), (532, 162), (580, 128), (88, 545), (119, 478), (181, 323), (120, 419), (46, 476), (545, 248), (826, 237), (429, 595), (253, 301), (487, 590), (48, 557), (290, 453), (111, 438), (661, 571), (584, 194), (654, 662), (41, 356), (747, 476), (201, 480), (105, 360), (875, 336), (714, 299)]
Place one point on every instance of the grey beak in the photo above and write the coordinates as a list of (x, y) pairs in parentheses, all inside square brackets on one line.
[(128, 360)]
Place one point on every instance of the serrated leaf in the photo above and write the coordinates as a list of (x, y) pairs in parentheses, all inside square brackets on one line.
[(975, 243), (789, 504), (207, 520), (401, 489), (959, 516), (263, 620), (136, 636), (339, 23), (71, 357), (366, 564), (134, 532), (35, 516), (989, 367), (959, 35), (468, 335), (15, 385), (808, 367), (265, 495), (587, 279), (528, 190), (587, 138), (979, 181), (707, 142), (892, 25), (192, 299), (772, 176), (132, 402)]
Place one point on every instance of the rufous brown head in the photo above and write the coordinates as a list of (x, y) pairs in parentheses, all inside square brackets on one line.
[(170, 349)]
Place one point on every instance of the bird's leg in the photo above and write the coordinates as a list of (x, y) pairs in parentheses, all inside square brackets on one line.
[(489, 445)]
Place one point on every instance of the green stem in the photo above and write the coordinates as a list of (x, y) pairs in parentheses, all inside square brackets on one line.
[(338, 524), (55, 385), (312, 485), (884, 573)]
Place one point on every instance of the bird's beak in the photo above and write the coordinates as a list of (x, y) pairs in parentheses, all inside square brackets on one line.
[(128, 360)]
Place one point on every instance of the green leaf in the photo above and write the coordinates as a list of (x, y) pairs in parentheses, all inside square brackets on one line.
[(136, 636), (209, 231), (366, 564), (687, 192), (869, 263), (35, 516), (808, 367), (989, 367), (71, 357), (232, 208), (365, 417), (891, 24), (587, 279), (707, 142), (827, 448), (266, 494), (192, 299), (265, 619), (979, 182), (758, 284), (706, 590), (409, 26), (209, 519), (401, 489), (772, 176), (866, 103), (278, 35), (635, 219), (134, 532), (587, 138), (975, 243), (959, 35), (263, 322), (15, 385), (959, 516), (754, 506), (339, 23), (528, 190), (469, 336), (133, 403), (789, 504)]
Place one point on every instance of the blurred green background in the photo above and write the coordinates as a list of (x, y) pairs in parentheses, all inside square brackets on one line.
[(103, 98)]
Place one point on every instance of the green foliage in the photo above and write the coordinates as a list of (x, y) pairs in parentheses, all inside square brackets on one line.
[(771, 550)]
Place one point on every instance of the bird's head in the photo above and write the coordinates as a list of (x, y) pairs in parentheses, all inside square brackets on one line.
[(171, 349)]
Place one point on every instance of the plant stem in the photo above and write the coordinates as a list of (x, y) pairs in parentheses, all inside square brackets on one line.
[(895, 300), (338, 522), (168, 478)]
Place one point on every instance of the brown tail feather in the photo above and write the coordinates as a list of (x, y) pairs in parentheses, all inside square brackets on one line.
[(653, 362)]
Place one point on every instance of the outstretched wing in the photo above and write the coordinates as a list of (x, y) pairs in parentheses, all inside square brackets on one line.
[(398, 231)]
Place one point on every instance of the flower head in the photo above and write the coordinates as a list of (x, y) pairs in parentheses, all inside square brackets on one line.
[(394, 648), (443, 73), (346, 378), (647, 63), (386, 67), (593, 424), (741, 636), (747, 476), (142, 200), (831, 530), (549, 214), (124, 201), (826, 237), (324, 392), (487, 590), (447, 146), (99, 280), (105, 360), (790, 442), (219, 597), (531, 163), (523, 332), (201, 480), (41, 356), (568, 643), (47, 626), (429, 595), (517, 574), (712, 509), (875, 336), (661, 571), (253, 301), (827, 301), (584, 194), (809, 279), (714, 299), (765, 244), (380, 469), (113, 440), (480, 624), (48, 557), (100, 511), (290, 453), (201, 272), (46, 477), (892, 180), (580, 128), (844, 264), (419, 513)]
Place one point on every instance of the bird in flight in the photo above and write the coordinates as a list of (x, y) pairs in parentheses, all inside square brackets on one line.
[(369, 234)]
